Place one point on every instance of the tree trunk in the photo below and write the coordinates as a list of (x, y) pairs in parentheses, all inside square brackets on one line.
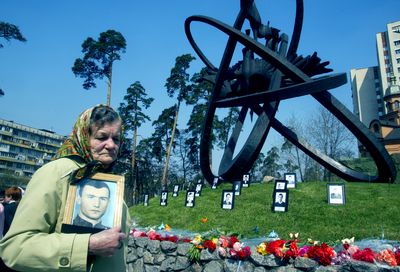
[(109, 87), (164, 182), (134, 168)]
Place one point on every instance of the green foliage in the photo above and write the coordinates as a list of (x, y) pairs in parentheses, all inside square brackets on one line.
[(10, 32), (99, 57), (370, 211)]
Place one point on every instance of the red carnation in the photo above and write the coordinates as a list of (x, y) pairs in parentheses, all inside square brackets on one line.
[(209, 244)]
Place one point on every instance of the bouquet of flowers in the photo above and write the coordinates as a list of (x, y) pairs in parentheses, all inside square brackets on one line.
[(226, 246)]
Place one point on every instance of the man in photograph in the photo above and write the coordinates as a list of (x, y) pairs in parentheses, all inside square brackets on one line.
[(280, 200), (227, 199), (93, 200)]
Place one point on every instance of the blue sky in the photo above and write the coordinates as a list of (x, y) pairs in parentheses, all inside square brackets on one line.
[(41, 91)]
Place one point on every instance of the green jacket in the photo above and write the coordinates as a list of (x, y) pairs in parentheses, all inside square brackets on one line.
[(35, 242)]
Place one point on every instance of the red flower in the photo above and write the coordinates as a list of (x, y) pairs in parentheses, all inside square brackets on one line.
[(293, 251), (397, 256), (232, 241), (366, 255), (276, 247), (321, 253), (209, 244)]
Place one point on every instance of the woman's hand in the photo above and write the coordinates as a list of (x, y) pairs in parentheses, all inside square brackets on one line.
[(106, 242)]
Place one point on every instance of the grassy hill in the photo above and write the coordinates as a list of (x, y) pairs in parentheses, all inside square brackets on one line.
[(370, 211)]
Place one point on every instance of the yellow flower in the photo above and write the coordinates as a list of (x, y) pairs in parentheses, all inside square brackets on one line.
[(197, 240), (214, 240), (262, 248)]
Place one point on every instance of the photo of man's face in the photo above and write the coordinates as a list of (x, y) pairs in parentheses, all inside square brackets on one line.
[(93, 202)]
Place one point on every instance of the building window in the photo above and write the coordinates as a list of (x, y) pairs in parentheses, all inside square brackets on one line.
[(397, 43), (396, 105), (396, 29), (397, 51)]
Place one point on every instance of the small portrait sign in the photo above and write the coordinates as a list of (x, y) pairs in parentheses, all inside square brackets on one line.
[(190, 198), (246, 180), (215, 183), (280, 184), (199, 186), (280, 200), (237, 187), (94, 204), (291, 180), (336, 194), (176, 190), (146, 200), (227, 199), (164, 198)]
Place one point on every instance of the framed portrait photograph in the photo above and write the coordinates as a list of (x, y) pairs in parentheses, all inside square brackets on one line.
[(164, 198), (280, 200), (336, 194), (237, 187), (227, 199), (215, 183), (291, 180), (94, 204), (246, 180), (199, 186), (146, 200), (190, 198), (280, 184), (176, 190)]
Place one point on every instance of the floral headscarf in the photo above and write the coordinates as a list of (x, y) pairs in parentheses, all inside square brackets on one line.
[(77, 144)]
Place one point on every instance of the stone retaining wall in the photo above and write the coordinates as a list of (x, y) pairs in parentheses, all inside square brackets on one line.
[(152, 255)]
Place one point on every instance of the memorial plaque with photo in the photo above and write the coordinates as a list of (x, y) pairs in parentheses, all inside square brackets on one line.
[(246, 180), (199, 186), (190, 198), (215, 183), (176, 190), (280, 184), (280, 200), (237, 187), (291, 180), (164, 198), (94, 204), (146, 200), (227, 199), (336, 194)]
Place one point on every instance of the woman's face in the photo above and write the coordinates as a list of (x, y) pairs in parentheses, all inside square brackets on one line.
[(105, 142)]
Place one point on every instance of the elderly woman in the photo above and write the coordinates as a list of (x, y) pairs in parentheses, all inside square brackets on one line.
[(35, 241)]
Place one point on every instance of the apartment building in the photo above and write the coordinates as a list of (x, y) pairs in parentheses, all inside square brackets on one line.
[(376, 91), (24, 149), (370, 84)]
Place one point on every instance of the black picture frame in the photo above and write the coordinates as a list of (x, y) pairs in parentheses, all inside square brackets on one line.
[(199, 187), (190, 199), (237, 187), (227, 199), (146, 200), (278, 206), (215, 183), (291, 179), (176, 190), (280, 184), (164, 198), (336, 193), (246, 181), (112, 185)]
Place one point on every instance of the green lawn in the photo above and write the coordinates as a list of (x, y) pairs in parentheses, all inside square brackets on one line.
[(370, 211)]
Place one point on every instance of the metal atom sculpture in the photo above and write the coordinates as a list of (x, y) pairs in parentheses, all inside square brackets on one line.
[(259, 84)]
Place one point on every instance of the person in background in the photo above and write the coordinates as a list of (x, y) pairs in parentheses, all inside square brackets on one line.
[(35, 241), (12, 197), (1, 220)]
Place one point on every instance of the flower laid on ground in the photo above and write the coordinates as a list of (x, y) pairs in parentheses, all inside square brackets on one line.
[(153, 235), (226, 246), (204, 220), (229, 246), (289, 249)]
